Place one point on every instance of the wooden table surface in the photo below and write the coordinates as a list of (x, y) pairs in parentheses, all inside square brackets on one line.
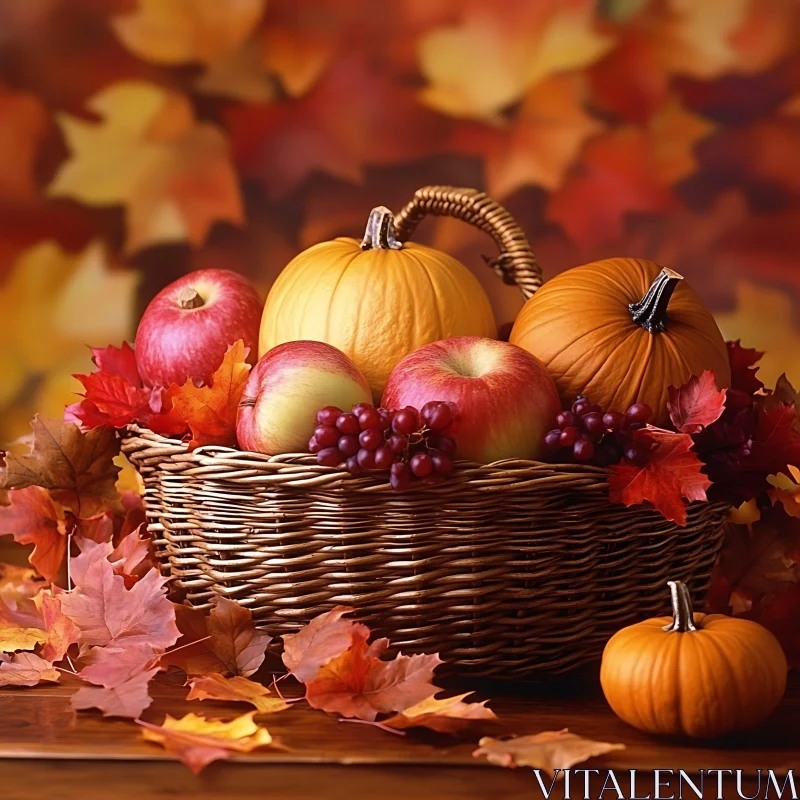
[(47, 750)]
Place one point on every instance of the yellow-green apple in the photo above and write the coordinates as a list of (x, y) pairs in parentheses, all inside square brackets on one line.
[(189, 325), (505, 398), (286, 389)]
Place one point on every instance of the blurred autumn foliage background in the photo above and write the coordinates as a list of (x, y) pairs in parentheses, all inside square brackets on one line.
[(140, 139)]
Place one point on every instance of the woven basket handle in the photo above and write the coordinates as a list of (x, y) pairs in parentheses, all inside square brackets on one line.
[(516, 264)]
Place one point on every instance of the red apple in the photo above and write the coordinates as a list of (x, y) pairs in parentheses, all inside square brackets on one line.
[(286, 389), (186, 330), (506, 400)]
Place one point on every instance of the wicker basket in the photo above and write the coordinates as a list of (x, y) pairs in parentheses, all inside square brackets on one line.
[(507, 569)]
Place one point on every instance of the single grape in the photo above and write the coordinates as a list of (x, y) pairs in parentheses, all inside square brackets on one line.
[(329, 457), (440, 417), (444, 444), (313, 445), (400, 467), (578, 400), (400, 483), (386, 415), (581, 408), (593, 424), (566, 419), (639, 412), (613, 420), (583, 449), (366, 459), (405, 421), (353, 467), (328, 415), (568, 436), (384, 457), (636, 454), (359, 408), (397, 442), (348, 445), (421, 465), (347, 423), (552, 440), (326, 436), (369, 418), (371, 439), (426, 410), (442, 464)]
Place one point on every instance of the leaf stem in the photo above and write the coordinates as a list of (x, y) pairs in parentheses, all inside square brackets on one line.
[(374, 725)]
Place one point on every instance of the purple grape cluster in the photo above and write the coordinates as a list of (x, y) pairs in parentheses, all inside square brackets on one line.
[(412, 445), (589, 434)]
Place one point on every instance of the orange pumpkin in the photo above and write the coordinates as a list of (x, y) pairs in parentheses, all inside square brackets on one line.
[(376, 300), (621, 331), (698, 675)]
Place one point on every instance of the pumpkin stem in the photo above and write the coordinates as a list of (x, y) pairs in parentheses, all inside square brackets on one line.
[(190, 298), (651, 311), (380, 233), (682, 612)]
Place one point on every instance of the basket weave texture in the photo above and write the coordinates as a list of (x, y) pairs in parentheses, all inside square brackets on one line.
[(507, 570)]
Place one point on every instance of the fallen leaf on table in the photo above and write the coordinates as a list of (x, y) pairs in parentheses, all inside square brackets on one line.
[(518, 48), (198, 741), (26, 669), (122, 676), (236, 641), (539, 144), (77, 468), (24, 125), (210, 411), (148, 153), (450, 715), (550, 751), (359, 684), (33, 518), (193, 652), (108, 613), (12, 638), (697, 404), (236, 690), (324, 638), (672, 472), (61, 630), (180, 32)]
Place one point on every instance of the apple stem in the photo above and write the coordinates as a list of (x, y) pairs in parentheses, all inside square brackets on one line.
[(190, 298), (380, 233)]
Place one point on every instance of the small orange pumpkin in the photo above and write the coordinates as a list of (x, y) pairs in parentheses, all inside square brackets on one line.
[(698, 675), (621, 331)]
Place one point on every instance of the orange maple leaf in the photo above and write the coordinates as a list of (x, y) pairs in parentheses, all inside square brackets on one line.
[(210, 411), (33, 518), (198, 741), (150, 154), (672, 472), (61, 630), (359, 684), (236, 641), (443, 716), (550, 751), (181, 31), (235, 689)]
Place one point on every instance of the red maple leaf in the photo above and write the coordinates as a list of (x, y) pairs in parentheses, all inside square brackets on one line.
[(697, 404), (672, 472), (359, 684), (108, 613), (33, 518), (323, 639), (743, 368)]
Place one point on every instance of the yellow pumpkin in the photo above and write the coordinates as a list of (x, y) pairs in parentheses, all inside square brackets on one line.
[(376, 300), (621, 331), (698, 675)]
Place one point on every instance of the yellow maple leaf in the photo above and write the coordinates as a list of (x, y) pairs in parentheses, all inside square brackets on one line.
[(765, 320), (787, 490), (187, 31), (236, 689), (672, 133), (52, 304), (490, 59), (198, 741), (149, 153), (14, 638)]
